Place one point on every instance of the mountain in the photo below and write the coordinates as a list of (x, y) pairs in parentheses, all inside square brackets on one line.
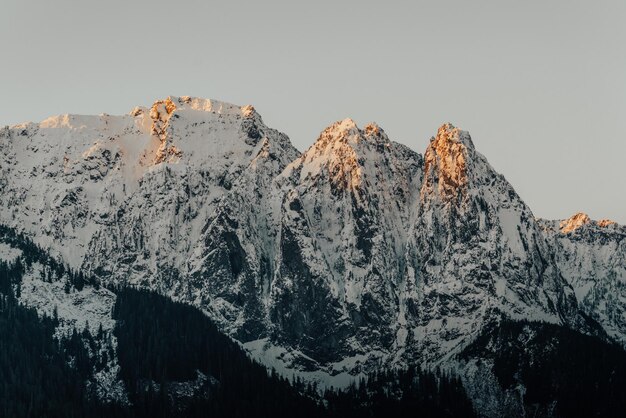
[(476, 251), (355, 255)]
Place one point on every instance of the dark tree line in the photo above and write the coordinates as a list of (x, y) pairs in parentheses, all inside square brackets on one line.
[(402, 393), (585, 375), (162, 340)]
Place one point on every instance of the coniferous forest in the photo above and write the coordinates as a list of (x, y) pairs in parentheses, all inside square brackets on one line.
[(565, 373)]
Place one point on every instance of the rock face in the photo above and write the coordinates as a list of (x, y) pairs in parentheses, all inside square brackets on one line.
[(475, 251), (346, 204), (591, 256), (128, 196), (356, 253)]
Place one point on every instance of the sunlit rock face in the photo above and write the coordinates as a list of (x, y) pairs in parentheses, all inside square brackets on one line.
[(346, 203), (445, 164), (574, 222), (357, 253), (160, 112)]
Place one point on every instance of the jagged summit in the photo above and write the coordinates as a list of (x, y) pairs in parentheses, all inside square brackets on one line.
[(347, 131), (581, 219), (334, 153), (446, 161), (206, 105), (574, 222), (344, 130), (448, 133), (603, 223), (163, 108), (357, 252), (348, 153), (171, 103)]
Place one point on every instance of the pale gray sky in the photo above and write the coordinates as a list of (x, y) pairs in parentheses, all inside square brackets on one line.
[(540, 85)]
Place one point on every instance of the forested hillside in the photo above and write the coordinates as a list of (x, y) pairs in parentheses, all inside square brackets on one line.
[(565, 373)]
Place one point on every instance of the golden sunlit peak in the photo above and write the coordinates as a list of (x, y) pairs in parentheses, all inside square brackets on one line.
[(574, 222), (580, 219), (372, 128), (603, 223), (445, 163), (339, 131), (205, 105), (345, 124), (248, 111), (448, 131)]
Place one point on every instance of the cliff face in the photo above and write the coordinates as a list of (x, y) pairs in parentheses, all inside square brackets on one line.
[(591, 256)]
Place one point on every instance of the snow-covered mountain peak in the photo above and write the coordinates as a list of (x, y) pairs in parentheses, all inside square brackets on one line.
[(574, 222), (334, 152), (178, 152), (346, 152), (56, 121), (194, 125), (207, 105), (581, 219), (344, 130), (347, 132), (171, 104)]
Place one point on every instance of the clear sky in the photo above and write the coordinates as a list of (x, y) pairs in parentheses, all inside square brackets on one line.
[(540, 85)]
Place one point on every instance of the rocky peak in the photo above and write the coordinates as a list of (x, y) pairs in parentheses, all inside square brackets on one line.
[(197, 112), (343, 131), (603, 223), (574, 222), (334, 151), (446, 161), (211, 105), (375, 134), (162, 109), (581, 219), (344, 150), (160, 113), (248, 111)]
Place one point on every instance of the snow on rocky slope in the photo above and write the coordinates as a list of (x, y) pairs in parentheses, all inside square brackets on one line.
[(475, 251), (127, 196), (357, 253), (591, 256)]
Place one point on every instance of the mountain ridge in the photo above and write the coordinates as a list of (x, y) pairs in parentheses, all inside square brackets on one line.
[(354, 254)]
